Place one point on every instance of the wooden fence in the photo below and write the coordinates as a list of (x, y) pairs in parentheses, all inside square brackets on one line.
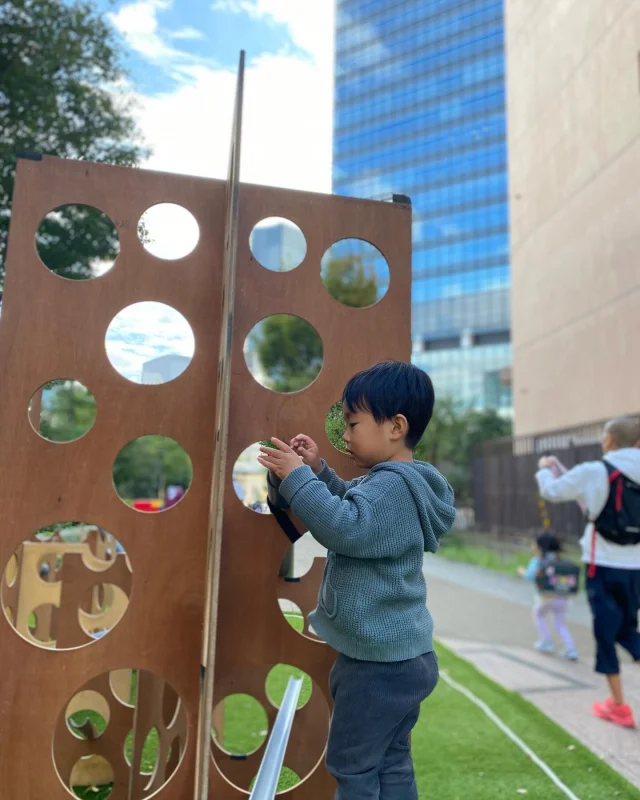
[(506, 499)]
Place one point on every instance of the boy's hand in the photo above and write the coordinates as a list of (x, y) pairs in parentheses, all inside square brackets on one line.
[(308, 450), (282, 461), (522, 572)]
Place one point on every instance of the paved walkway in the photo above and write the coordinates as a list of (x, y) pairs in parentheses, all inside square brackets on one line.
[(485, 617)]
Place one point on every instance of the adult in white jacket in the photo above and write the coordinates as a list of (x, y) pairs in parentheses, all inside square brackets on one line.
[(613, 575)]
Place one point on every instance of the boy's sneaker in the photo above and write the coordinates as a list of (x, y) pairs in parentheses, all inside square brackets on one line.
[(610, 711), (570, 655), (545, 647)]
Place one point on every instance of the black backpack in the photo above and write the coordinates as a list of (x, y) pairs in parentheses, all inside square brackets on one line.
[(619, 521), (558, 576)]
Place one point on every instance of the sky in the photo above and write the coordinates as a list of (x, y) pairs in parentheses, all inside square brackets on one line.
[(182, 58)]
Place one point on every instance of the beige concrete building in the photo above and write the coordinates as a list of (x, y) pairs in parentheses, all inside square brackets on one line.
[(573, 74)]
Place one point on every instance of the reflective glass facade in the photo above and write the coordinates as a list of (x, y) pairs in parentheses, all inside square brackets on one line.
[(420, 111)]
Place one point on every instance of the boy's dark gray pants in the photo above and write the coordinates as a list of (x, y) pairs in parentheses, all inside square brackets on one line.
[(376, 707)]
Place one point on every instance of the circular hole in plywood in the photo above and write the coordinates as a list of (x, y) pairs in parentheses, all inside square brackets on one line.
[(284, 353), (355, 273), (278, 244), (62, 410), (123, 684), (292, 613), (67, 552), (250, 480), (287, 780), (42, 623), (149, 759), (310, 739), (77, 242), (304, 569), (152, 473), (49, 567), (95, 780), (11, 571), (150, 343), (335, 426), (243, 722), (92, 776), (170, 706), (88, 715), (102, 607), (278, 680), (168, 231)]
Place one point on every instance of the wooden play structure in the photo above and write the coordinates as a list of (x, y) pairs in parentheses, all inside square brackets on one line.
[(65, 594), (135, 637)]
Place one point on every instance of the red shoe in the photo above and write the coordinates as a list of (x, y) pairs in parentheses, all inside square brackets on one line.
[(612, 712)]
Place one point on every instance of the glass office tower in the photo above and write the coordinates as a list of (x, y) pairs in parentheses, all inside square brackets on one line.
[(420, 111)]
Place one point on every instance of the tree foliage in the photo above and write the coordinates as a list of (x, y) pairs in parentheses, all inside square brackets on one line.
[(68, 411), (146, 466), (288, 348), (60, 66), (351, 281), (289, 351), (450, 441), (335, 426), (142, 470)]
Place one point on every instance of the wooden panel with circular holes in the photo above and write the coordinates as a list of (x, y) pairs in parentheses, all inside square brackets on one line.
[(52, 328)]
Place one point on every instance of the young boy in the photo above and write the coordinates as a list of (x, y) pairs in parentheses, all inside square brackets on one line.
[(372, 602)]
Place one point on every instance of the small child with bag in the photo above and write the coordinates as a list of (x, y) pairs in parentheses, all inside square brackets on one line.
[(555, 579)]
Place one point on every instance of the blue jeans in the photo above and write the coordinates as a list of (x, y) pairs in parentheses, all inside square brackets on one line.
[(376, 707)]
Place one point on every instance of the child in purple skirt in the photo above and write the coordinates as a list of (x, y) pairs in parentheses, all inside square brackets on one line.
[(547, 549)]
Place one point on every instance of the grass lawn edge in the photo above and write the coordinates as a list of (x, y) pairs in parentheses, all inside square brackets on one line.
[(583, 771)]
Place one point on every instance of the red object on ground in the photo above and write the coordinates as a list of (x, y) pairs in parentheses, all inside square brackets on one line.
[(146, 505), (612, 712)]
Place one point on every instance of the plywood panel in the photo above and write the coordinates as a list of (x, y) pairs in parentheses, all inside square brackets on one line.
[(52, 328)]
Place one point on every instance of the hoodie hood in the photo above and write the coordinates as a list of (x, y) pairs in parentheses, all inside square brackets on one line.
[(627, 461), (432, 495)]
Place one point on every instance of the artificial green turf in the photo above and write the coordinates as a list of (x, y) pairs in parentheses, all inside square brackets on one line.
[(80, 717), (459, 754), (245, 721), (93, 792)]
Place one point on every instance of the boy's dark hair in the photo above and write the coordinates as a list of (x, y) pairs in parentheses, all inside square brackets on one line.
[(390, 388), (548, 543)]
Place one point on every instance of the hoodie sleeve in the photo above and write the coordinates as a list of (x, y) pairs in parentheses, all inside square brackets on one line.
[(357, 527), (334, 482)]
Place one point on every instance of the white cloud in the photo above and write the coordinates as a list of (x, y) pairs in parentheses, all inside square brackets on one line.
[(187, 33), (235, 6), (170, 231), (144, 331), (287, 130), (306, 22), (138, 23)]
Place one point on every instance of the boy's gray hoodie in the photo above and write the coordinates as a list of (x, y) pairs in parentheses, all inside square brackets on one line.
[(372, 604)]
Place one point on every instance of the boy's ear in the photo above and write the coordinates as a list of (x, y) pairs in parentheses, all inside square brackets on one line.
[(400, 427)]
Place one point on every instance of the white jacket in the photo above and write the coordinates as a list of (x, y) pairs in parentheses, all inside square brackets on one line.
[(589, 482)]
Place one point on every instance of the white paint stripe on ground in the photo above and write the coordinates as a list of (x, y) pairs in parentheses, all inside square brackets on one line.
[(510, 734)]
